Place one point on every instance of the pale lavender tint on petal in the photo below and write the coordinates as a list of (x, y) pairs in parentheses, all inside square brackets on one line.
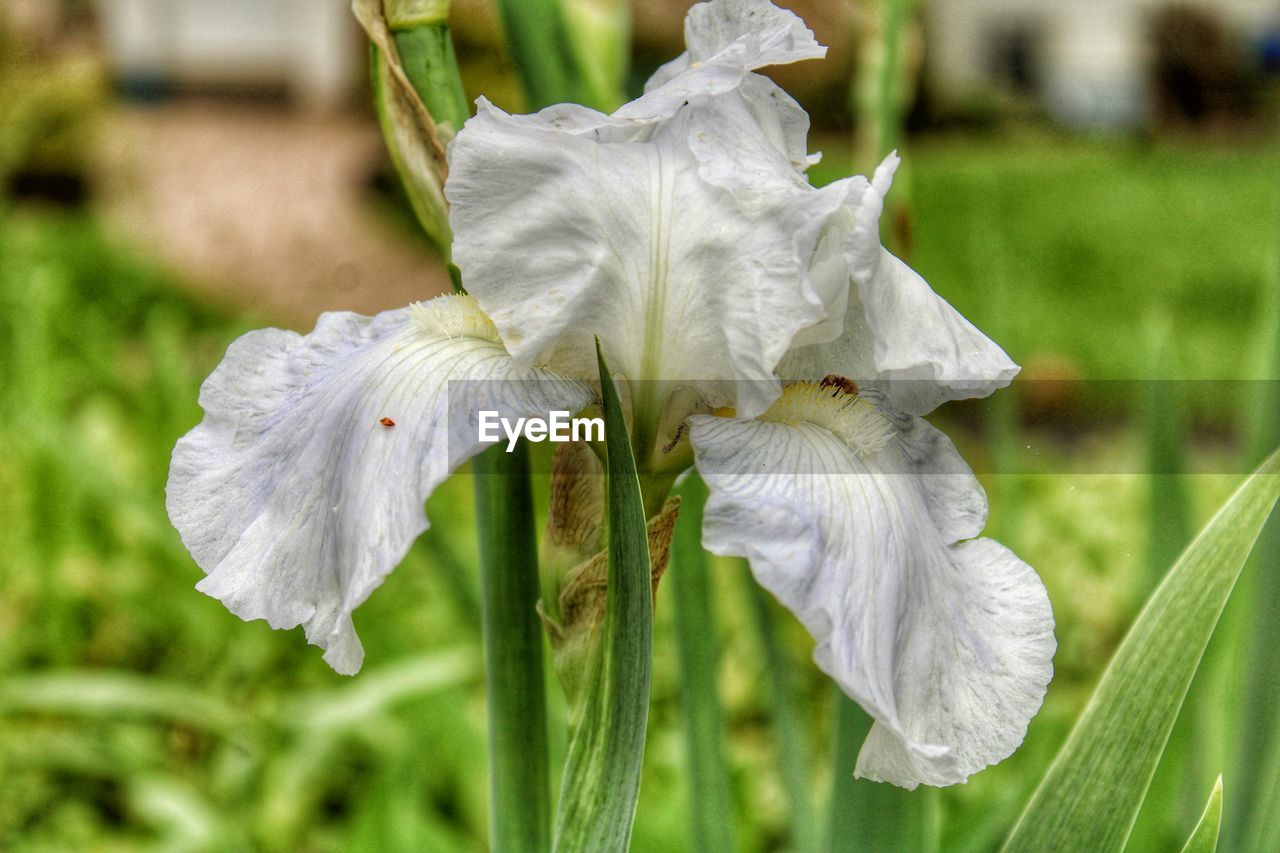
[(947, 641), (304, 484)]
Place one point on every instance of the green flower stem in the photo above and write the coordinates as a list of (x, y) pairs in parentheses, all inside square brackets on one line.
[(519, 778), (709, 781), (792, 750), (426, 53), (538, 41), (599, 41)]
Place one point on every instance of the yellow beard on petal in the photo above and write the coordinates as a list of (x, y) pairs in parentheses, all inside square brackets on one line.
[(833, 404), (453, 315)]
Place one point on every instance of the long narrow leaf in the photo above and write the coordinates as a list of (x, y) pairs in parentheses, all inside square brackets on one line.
[(793, 752), (1092, 792), (709, 783), (1177, 789), (1169, 529), (1256, 785), (1204, 838), (519, 777), (602, 772), (872, 816)]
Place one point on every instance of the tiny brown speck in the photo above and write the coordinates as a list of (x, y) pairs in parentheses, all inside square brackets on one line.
[(386, 422)]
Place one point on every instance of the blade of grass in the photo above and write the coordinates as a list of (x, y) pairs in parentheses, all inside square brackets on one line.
[(606, 751), (793, 753), (1204, 838), (519, 776), (709, 782), (1092, 792)]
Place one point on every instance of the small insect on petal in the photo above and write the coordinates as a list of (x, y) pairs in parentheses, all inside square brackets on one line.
[(839, 383), (386, 422)]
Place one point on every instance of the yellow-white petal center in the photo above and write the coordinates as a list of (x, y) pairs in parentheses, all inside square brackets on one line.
[(834, 405)]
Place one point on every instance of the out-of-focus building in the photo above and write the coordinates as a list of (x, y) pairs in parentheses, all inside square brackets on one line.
[(1090, 63), (306, 47)]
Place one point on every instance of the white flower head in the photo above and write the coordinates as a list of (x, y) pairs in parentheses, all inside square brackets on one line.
[(683, 233)]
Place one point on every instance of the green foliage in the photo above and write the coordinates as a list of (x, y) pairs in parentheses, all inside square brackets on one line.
[(606, 750), (519, 776), (696, 635), (1092, 793), (134, 710), (537, 36), (100, 360), (1204, 838), (869, 816), (1054, 245)]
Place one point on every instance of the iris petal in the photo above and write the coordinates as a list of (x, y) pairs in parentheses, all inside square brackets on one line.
[(948, 644), (304, 484)]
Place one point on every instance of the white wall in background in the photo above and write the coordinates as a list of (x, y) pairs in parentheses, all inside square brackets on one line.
[(305, 44), (1092, 55)]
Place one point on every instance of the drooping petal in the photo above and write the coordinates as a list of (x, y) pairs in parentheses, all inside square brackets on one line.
[(898, 335), (856, 523), (304, 484)]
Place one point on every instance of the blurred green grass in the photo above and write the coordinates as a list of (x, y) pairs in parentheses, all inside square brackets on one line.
[(135, 711)]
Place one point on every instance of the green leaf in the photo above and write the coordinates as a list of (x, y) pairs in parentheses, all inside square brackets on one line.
[(793, 752), (1170, 529), (1255, 794), (361, 701), (871, 816), (1204, 838), (1177, 788), (116, 694), (1091, 795), (602, 772), (519, 770), (709, 782)]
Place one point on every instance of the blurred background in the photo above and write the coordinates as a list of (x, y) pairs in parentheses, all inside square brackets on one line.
[(1095, 184)]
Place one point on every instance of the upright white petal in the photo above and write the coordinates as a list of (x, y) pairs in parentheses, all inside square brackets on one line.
[(856, 523), (680, 230), (304, 484), (738, 35), (626, 232), (898, 335)]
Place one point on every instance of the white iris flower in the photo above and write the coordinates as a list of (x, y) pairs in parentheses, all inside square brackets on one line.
[(680, 230)]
